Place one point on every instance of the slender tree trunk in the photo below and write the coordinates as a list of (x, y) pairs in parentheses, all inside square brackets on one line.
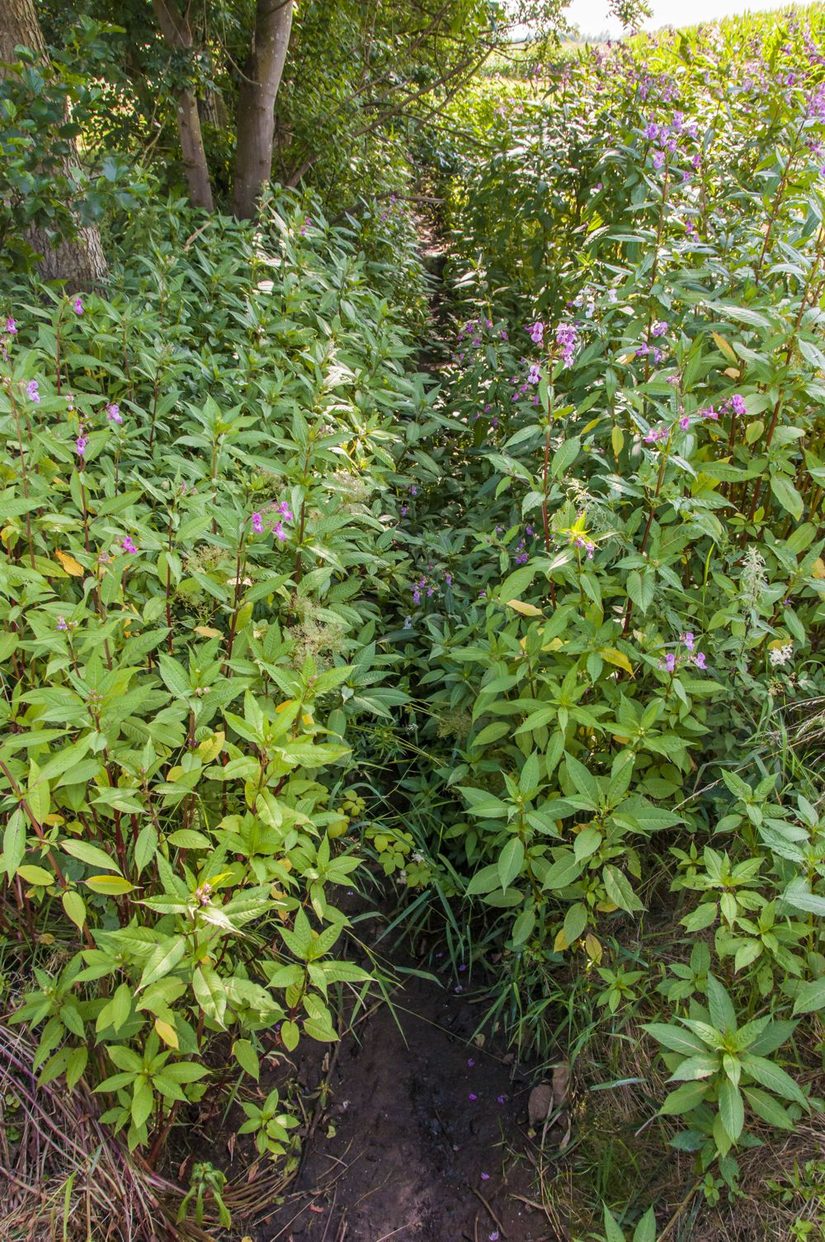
[(79, 261), (177, 32), (256, 103)]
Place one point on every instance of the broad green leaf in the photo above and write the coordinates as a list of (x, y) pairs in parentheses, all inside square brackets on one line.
[(810, 997), (91, 854), (787, 495), (75, 907), (247, 1057), (618, 889), (109, 885), (564, 871), (162, 960), (510, 862), (731, 1109), (37, 876)]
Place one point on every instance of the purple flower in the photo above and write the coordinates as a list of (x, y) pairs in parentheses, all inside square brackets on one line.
[(700, 660), (80, 445), (257, 523), (448, 578), (470, 1062), (77, 306), (62, 624), (655, 434), (11, 326), (534, 374), (536, 332), (737, 404), (688, 639), (684, 422), (670, 662), (33, 391), (279, 532), (113, 413), (659, 328), (285, 511), (567, 335), (485, 1177), (501, 1099), (658, 159), (472, 1096), (127, 545), (709, 412), (494, 1236)]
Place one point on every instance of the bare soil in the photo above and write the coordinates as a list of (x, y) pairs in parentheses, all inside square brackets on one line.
[(420, 1136)]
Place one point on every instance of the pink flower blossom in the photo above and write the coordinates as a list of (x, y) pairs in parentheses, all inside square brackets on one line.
[(279, 532), (80, 445), (77, 306), (257, 523), (128, 545), (113, 412), (33, 391)]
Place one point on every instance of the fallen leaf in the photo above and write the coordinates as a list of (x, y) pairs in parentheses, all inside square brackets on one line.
[(540, 1104), (561, 1085)]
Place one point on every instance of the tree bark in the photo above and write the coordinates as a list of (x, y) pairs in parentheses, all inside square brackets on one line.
[(177, 32), (80, 262), (256, 103)]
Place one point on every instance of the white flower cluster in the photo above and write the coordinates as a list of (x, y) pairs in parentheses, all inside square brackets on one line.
[(780, 655)]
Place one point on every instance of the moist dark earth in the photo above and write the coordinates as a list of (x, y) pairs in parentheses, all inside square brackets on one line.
[(422, 1136)]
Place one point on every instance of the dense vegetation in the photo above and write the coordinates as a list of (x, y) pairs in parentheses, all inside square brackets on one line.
[(616, 570), (533, 637)]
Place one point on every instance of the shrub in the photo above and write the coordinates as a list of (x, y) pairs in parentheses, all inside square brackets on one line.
[(194, 564)]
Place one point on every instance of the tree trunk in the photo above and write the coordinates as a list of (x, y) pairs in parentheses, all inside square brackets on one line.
[(256, 103), (80, 262), (178, 34)]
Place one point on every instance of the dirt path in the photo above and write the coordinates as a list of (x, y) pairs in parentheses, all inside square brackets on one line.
[(422, 1137)]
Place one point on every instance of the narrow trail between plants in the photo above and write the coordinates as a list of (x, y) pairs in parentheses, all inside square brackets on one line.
[(417, 1130)]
